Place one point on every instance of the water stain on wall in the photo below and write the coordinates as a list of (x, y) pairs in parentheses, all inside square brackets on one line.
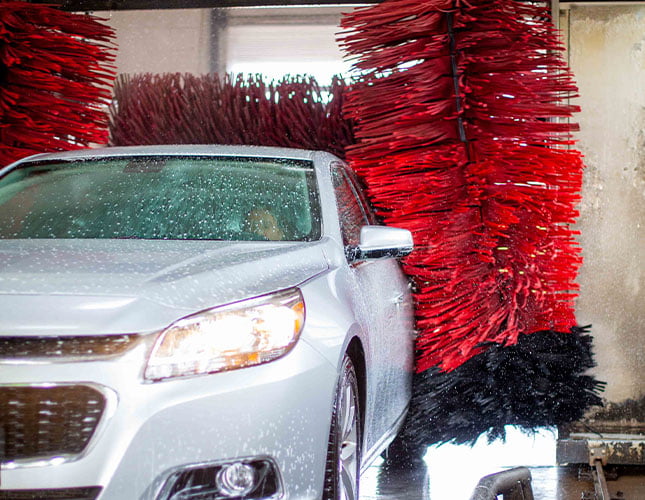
[(607, 55)]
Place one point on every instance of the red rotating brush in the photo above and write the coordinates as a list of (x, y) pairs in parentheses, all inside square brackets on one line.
[(461, 139), (55, 77), (293, 112)]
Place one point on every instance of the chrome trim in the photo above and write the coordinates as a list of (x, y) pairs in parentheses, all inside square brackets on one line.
[(138, 339), (111, 403)]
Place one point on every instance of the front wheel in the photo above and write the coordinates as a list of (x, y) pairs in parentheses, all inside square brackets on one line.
[(342, 468)]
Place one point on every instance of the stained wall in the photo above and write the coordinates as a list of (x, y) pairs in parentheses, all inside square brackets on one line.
[(162, 41), (607, 54)]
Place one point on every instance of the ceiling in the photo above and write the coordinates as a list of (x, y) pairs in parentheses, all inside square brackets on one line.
[(94, 5)]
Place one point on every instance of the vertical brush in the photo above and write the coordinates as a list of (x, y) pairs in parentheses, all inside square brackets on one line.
[(56, 72), (462, 136)]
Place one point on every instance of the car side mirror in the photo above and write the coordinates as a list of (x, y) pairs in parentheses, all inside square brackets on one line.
[(378, 242)]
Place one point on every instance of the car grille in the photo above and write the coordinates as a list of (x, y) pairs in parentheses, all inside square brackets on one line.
[(46, 422), (53, 494), (66, 346)]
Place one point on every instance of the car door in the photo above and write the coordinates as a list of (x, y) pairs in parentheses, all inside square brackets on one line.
[(383, 307)]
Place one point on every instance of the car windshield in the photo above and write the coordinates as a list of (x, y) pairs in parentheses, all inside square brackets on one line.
[(162, 197)]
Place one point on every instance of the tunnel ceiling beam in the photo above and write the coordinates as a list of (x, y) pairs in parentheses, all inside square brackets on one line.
[(96, 5)]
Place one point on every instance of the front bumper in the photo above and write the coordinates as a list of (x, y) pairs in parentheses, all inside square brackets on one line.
[(280, 410)]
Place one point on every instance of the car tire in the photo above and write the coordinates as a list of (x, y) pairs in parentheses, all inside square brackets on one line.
[(342, 468)]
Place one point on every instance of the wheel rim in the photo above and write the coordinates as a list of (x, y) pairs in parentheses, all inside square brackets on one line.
[(348, 442)]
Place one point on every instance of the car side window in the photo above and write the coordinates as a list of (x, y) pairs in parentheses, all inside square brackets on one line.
[(360, 194), (350, 211)]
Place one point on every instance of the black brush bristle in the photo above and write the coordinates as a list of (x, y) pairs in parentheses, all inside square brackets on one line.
[(538, 382)]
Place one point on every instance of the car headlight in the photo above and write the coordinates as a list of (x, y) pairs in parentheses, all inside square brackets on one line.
[(234, 336)]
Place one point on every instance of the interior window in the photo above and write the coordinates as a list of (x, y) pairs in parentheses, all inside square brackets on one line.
[(279, 41)]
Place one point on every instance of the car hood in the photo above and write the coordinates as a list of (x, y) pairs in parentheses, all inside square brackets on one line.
[(54, 287)]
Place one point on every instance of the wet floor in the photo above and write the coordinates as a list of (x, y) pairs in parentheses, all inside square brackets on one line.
[(452, 472)]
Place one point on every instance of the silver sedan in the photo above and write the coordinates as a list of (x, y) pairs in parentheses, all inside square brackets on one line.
[(196, 322)]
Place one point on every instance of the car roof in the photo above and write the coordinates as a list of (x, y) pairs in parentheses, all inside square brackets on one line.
[(176, 150)]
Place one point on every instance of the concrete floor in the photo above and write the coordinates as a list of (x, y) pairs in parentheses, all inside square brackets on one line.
[(451, 473)]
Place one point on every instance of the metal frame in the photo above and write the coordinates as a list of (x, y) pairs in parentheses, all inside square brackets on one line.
[(612, 449), (101, 5)]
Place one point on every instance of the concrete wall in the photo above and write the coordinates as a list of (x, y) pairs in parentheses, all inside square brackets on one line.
[(607, 55), (160, 41)]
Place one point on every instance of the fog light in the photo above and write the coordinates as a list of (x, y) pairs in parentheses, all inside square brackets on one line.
[(236, 480), (252, 478)]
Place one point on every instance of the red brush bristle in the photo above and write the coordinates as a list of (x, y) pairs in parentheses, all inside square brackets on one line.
[(459, 139), (212, 109), (55, 77)]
